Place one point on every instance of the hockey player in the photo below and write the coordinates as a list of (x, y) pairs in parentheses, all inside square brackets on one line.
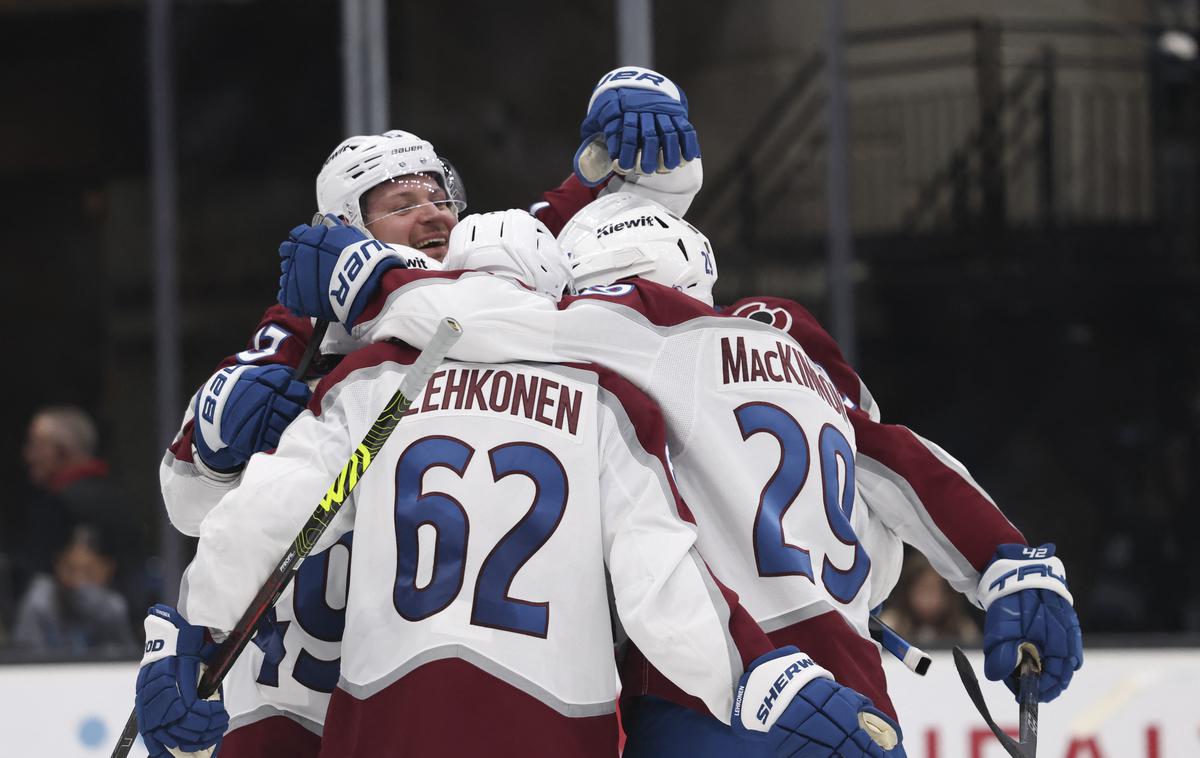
[(481, 579), (901, 473), (1022, 588), (919, 494), (1039, 599), (278, 691), (675, 348)]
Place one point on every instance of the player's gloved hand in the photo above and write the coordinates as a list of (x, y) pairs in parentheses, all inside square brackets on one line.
[(172, 718), (636, 119), (1024, 591), (241, 410), (511, 244), (795, 705), (330, 272)]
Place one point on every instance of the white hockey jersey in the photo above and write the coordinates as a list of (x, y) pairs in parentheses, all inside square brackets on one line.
[(914, 490), (761, 444), (477, 619), (278, 690)]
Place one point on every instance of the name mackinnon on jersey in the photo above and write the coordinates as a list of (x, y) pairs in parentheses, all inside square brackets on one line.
[(537, 398), (784, 364)]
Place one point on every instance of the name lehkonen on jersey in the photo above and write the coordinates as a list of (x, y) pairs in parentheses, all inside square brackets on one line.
[(537, 398), (784, 364)]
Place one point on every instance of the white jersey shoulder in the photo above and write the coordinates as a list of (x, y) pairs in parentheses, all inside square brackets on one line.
[(761, 445), (487, 529)]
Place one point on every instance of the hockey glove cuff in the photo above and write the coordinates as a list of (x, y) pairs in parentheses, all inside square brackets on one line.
[(796, 706), (330, 272), (171, 716), (242, 410)]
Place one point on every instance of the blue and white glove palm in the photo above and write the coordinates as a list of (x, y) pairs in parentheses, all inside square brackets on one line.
[(330, 272), (637, 119), (796, 706), (242, 410), (172, 718), (1024, 591)]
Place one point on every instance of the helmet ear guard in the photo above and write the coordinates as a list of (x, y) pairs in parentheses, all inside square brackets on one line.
[(606, 266), (622, 235)]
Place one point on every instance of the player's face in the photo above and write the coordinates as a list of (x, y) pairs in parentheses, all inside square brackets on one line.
[(411, 210)]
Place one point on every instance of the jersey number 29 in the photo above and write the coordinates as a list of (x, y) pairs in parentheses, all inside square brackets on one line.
[(775, 556)]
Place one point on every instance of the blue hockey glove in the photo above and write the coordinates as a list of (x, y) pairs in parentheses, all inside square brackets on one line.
[(172, 718), (330, 272), (796, 706), (636, 119), (241, 410), (1024, 591)]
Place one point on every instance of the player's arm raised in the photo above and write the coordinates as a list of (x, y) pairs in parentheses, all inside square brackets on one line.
[(636, 137), (502, 320)]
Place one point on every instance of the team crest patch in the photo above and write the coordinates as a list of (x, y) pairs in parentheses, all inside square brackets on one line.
[(758, 311), (608, 290)]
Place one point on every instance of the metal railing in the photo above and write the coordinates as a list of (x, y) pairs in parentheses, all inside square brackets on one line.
[(961, 124)]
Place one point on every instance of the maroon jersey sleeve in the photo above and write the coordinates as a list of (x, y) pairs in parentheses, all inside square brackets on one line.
[(564, 201), (660, 305)]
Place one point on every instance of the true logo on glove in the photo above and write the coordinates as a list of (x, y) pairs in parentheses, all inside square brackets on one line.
[(153, 646), (1036, 569), (352, 268)]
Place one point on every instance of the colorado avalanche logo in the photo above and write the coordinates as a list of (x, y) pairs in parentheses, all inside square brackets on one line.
[(758, 311), (607, 290)]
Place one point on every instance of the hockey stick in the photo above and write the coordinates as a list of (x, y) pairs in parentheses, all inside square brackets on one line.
[(314, 343), (1029, 671), (227, 652), (319, 327), (909, 654)]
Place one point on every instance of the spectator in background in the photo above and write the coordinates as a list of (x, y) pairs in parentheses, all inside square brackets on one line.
[(926, 610), (74, 610), (74, 491), (8, 597)]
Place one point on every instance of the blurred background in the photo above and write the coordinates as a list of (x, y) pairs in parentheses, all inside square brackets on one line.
[(1013, 263)]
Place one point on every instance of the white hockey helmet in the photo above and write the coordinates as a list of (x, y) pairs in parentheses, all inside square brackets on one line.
[(365, 161), (511, 244), (622, 235)]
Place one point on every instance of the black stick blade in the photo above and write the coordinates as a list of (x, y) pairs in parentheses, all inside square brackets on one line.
[(967, 675)]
